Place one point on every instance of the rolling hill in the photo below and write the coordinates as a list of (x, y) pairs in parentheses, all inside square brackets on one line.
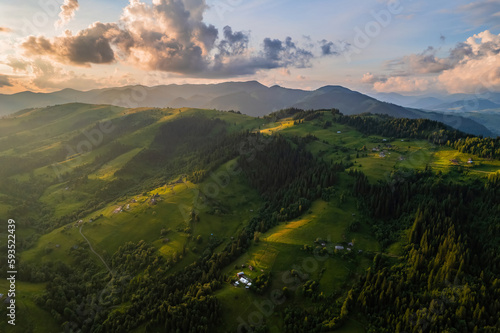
[(140, 220), (250, 98)]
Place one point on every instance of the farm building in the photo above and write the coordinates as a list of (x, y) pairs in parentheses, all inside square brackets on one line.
[(339, 247)]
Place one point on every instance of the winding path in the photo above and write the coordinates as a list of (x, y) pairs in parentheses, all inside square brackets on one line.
[(92, 249)]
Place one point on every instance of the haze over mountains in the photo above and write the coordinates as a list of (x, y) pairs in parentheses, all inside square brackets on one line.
[(255, 99), (482, 108), (462, 102)]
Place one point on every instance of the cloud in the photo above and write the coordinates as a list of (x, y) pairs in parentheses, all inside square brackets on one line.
[(17, 64), (329, 48), (42, 74), (482, 13), (476, 47), (476, 65), (171, 36), (371, 78), (422, 63), (4, 81), (5, 29), (233, 43), (470, 66), (404, 84), (92, 45), (68, 9), (285, 53), (167, 35)]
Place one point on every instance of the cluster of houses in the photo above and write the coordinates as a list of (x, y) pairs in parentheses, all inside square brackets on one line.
[(341, 247), (243, 280), (382, 151), (457, 162), (337, 247), (154, 199)]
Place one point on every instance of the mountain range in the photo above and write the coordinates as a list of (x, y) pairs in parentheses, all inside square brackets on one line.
[(482, 108), (254, 99)]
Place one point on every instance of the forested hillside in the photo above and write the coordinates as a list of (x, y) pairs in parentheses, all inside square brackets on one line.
[(187, 220)]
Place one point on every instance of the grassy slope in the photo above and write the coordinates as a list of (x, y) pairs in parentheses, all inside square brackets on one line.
[(29, 316), (144, 221), (278, 250)]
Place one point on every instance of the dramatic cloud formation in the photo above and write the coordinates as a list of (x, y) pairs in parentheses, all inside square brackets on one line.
[(477, 65), (471, 65), (68, 9), (92, 45), (4, 81), (170, 36), (167, 35)]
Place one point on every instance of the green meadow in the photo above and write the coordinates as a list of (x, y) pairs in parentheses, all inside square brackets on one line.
[(180, 218)]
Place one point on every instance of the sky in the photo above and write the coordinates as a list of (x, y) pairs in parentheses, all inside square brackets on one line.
[(403, 46)]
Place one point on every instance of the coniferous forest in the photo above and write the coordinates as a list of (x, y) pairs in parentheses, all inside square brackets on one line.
[(181, 277)]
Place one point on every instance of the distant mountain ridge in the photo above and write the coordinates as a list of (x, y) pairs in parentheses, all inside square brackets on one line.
[(251, 98), (483, 108)]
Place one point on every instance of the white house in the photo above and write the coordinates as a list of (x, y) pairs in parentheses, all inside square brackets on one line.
[(339, 247)]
